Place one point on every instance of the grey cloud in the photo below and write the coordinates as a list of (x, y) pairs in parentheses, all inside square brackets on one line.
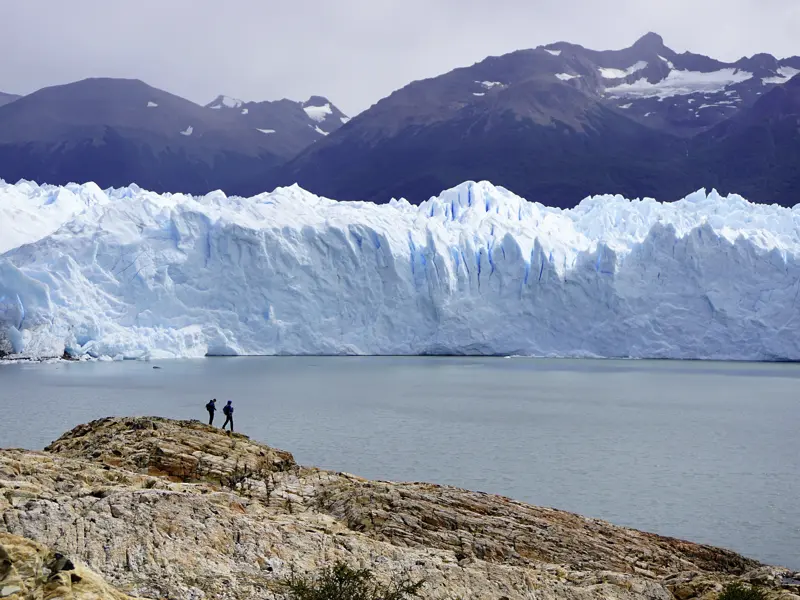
[(353, 51)]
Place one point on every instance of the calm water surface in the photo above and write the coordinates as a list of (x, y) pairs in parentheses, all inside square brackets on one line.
[(704, 451)]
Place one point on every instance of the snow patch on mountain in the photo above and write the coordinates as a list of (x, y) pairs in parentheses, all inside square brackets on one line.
[(266, 130), (680, 83), (490, 84), (553, 52), (784, 75), (318, 113), (566, 76), (188, 131), (476, 270), (608, 73), (669, 63), (151, 105)]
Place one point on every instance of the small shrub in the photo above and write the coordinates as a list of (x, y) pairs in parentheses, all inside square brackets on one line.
[(739, 591), (340, 582)]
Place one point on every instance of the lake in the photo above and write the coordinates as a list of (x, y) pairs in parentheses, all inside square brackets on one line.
[(699, 450)]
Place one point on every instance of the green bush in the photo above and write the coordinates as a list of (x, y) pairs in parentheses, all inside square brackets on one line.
[(340, 582), (739, 591)]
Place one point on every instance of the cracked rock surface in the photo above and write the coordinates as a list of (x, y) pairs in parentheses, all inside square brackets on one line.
[(177, 509)]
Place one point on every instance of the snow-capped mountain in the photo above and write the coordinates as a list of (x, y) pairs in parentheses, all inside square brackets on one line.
[(297, 124), (117, 131), (557, 123), (681, 93), (477, 270)]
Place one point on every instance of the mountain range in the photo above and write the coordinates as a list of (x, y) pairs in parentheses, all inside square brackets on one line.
[(118, 131), (554, 124)]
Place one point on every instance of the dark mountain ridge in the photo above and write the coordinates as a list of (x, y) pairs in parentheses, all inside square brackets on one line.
[(555, 124)]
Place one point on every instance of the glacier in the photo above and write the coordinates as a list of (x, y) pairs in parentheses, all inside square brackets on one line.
[(130, 274)]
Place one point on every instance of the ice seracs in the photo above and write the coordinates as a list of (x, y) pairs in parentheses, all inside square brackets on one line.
[(476, 270)]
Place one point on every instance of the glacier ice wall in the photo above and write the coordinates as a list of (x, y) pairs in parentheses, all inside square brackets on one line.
[(126, 273)]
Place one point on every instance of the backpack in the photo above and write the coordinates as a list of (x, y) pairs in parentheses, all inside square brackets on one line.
[(227, 410), (210, 406)]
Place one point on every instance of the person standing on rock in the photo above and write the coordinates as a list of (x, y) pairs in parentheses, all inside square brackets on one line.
[(228, 411), (211, 407)]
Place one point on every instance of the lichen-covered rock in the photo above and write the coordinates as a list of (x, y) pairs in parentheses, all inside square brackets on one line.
[(177, 509)]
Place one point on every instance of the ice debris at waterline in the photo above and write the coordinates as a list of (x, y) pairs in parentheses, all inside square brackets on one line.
[(125, 273)]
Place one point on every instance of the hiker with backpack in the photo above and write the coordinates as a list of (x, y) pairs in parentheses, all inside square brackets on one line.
[(211, 407), (228, 412)]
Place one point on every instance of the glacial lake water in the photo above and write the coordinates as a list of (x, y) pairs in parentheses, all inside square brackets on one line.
[(699, 450)]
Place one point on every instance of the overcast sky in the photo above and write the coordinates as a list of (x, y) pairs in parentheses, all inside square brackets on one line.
[(352, 51)]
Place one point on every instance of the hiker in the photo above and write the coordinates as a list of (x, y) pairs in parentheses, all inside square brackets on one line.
[(228, 411), (211, 407)]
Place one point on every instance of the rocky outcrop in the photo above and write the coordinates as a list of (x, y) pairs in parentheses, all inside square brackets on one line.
[(177, 509)]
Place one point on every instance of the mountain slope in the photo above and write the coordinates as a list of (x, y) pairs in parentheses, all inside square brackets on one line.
[(757, 152), (116, 132), (7, 98), (554, 124), (295, 125)]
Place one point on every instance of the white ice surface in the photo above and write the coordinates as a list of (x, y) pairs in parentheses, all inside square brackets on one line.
[(477, 270), (680, 83), (318, 113)]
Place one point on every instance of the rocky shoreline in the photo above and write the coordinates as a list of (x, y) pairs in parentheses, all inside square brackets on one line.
[(155, 508)]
